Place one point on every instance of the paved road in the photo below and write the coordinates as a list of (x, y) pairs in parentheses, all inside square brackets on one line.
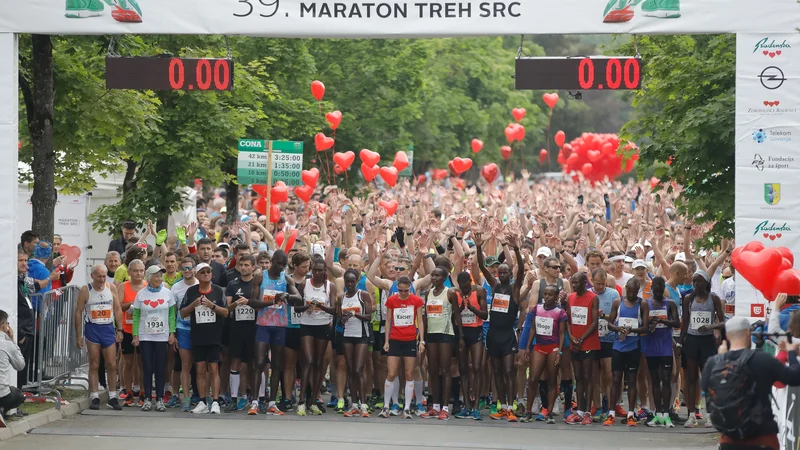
[(135, 430)]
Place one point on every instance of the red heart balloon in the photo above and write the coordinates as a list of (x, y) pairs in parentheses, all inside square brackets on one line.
[(520, 133), (542, 156), (759, 268), (317, 90), (586, 169), (511, 133), (452, 168), (550, 99), (260, 189), (260, 205), (274, 213), (310, 177), (400, 161), (754, 246), (461, 165), (334, 118), (489, 172), (505, 151), (322, 142), (304, 193), (518, 113), (477, 145), (439, 174), (421, 178), (389, 175), (390, 206), (71, 253), (292, 238), (369, 158), (594, 156), (787, 254), (280, 193), (567, 149), (787, 282), (785, 265), (344, 160), (460, 184), (559, 138), (369, 172)]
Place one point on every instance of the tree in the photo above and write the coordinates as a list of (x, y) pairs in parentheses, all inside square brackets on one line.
[(685, 112)]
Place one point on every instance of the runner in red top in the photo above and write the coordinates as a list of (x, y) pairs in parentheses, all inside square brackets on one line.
[(473, 313), (583, 315), (403, 316)]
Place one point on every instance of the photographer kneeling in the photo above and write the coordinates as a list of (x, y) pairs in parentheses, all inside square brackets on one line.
[(738, 383)]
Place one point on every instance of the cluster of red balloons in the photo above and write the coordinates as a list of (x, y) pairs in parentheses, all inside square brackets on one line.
[(770, 270), (595, 156)]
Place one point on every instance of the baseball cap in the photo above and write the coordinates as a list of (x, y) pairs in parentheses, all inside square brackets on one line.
[(153, 270), (223, 210), (737, 324), (628, 260), (650, 255), (491, 261), (544, 251), (638, 263), (703, 274), (680, 257), (202, 266)]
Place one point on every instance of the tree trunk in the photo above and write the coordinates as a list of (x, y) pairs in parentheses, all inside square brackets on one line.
[(40, 128), (231, 191)]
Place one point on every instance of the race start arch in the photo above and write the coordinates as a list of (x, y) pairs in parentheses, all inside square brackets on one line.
[(767, 91)]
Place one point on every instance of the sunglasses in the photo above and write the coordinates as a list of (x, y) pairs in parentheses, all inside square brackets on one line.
[(187, 268), (399, 269), (554, 267)]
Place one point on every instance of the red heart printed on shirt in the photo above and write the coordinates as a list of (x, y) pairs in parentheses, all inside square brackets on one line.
[(771, 237), (146, 302), (778, 52), (154, 304), (766, 52), (766, 235), (771, 54), (161, 301), (779, 235)]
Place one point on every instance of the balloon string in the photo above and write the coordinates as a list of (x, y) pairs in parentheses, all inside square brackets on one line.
[(549, 122), (522, 158)]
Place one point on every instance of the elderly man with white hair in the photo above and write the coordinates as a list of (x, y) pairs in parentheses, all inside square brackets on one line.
[(98, 321)]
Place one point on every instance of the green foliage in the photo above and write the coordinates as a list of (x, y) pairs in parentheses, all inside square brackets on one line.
[(686, 112)]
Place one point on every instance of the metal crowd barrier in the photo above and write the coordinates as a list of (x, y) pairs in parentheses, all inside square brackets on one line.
[(56, 357)]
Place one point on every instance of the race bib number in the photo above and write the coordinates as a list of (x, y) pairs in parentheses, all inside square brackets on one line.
[(155, 324), (658, 314), (295, 316), (244, 313), (630, 322), (352, 309), (544, 326), (501, 302), (730, 310), (700, 318), (100, 314), (128, 318), (204, 315), (468, 317), (434, 308), (580, 315), (269, 296), (404, 317), (602, 327)]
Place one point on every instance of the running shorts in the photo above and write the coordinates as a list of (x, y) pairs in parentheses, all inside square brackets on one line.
[(501, 342), (403, 348), (626, 361), (103, 335)]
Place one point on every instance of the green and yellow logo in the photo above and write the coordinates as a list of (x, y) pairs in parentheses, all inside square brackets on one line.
[(772, 193)]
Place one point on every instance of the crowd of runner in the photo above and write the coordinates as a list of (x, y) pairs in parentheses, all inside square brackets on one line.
[(522, 302)]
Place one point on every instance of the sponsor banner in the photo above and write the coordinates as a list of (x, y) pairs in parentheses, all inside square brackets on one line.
[(767, 151), (397, 18)]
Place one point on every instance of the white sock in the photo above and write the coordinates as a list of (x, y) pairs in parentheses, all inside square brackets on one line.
[(112, 394), (136, 388), (409, 392), (387, 393), (418, 385), (611, 413), (396, 391), (445, 409), (437, 407), (503, 406), (95, 395), (234, 384), (167, 386), (262, 391), (271, 404), (630, 413)]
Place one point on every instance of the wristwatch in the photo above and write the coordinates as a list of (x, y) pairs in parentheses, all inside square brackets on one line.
[(422, 342)]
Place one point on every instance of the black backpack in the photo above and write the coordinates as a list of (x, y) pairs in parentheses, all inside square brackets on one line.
[(734, 407)]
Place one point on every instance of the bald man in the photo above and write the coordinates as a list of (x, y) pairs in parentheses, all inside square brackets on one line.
[(98, 321)]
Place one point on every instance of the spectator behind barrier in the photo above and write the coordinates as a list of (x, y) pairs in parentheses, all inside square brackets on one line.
[(10, 358)]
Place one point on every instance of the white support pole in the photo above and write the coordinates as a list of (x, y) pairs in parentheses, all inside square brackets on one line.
[(9, 127)]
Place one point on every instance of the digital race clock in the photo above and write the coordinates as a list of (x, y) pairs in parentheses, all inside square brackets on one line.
[(169, 74), (579, 73)]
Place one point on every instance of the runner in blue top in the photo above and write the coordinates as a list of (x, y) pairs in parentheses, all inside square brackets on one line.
[(625, 319), (659, 316), (607, 298)]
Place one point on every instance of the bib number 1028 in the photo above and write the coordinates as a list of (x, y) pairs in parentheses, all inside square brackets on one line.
[(266, 8)]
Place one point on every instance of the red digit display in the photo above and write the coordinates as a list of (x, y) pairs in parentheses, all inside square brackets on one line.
[(169, 74), (613, 73), (586, 73), (632, 77), (578, 73)]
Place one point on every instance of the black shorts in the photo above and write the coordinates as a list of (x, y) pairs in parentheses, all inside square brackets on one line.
[(626, 361), (403, 348), (127, 344), (338, 342), (698, 348), (320, 332), (292, 338), (355, 341), (606, 349), (242, 343), (209, 354), (586, 355), (501, 342), (472, 336), (655, 363), (439, 338), (378, 339)]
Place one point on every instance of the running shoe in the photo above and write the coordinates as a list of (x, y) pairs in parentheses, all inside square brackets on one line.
[(274, 411), (510, 416), (146, 405), (407, 414), (668, 422), (550, 420), (494, 409), (384, 413), (395, 410), (174, 401), (587, 420), (225, 400), (604, 404), (242, 404), (315, 410), (287, 405), (542, 415), (567, 415), (340, 406), (619, 411), (618, 11), (599, 417), (444, 415), (419, 409), (515, 406), (482, 403), (354, 411), (141, 401), (215, 408), (500, 414), (186, 406), (364, 410), (253, 411), (643, 414), (113, 403), (656, 422), (574, 419), (123, 394), (698, 415), (691, 422), (631, 421), (609, 421), (167, 394), (379, 405), (476, 415), (160, 407), (430, 414), (301, 410), (708, 424), (95, 404), (463, 414), (527, 418), (333, 402), (195, 399)]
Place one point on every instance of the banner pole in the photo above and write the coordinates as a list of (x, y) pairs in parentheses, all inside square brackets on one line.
[(269, 180)]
